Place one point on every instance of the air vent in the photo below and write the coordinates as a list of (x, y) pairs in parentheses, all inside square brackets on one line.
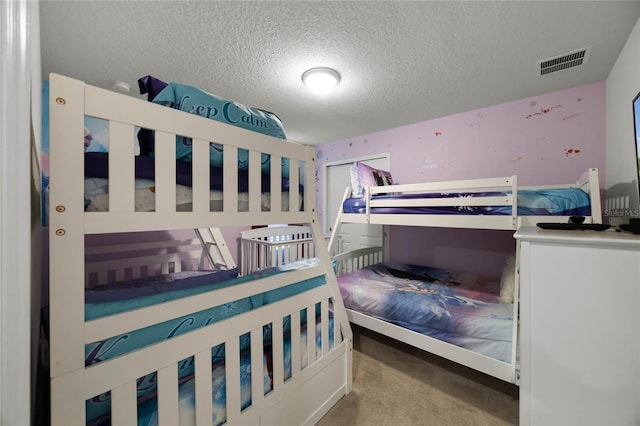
[(568, 60)]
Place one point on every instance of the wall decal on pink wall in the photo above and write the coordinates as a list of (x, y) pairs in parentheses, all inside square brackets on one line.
[(488, 142), (429, 164), (570, 117), (544, 111)]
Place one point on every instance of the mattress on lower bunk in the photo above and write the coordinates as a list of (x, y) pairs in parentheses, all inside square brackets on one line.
[(459, 308), (97, 185), (124, 296), (531, 202), (115, 298)]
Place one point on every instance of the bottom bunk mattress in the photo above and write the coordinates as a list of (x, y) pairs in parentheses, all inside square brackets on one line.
[(459, 308)]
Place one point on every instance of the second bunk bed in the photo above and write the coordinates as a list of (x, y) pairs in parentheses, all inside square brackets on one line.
[(467, 318)]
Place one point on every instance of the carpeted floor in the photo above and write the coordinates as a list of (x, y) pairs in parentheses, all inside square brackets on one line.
[(397, 385)]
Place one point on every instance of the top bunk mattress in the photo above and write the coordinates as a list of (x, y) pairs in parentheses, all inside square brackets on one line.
[(96, 185), (531, 202)]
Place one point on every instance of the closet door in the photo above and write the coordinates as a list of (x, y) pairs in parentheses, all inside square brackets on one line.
[(337, 175)]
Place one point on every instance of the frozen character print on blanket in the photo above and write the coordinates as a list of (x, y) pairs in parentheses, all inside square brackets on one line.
[(421, 275)]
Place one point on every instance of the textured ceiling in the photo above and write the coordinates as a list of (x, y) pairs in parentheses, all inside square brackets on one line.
[(401, 62)]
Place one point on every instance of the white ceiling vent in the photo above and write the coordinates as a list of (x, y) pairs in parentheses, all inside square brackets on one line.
[(572, 59)]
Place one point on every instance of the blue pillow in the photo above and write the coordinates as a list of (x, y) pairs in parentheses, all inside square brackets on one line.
[(195, 101)]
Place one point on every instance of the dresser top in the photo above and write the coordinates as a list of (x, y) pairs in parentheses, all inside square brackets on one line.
[(609, 237)]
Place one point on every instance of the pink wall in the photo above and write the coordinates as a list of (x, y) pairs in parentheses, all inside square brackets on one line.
[(547, 139)]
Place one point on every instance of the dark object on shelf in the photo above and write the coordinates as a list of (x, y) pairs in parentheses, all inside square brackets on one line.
[(574, 226), (633, 226)]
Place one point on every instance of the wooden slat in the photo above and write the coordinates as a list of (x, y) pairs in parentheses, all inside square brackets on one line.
[(168, 395), (200, 175), (311, 334), (232, 379), (123, 404), (121, 167), (295, 343), (257, 366), (294, 185), (278, 354), (203, 381), (255, 176), (165, 179), (276, 183), (324, 315), (230, 179)]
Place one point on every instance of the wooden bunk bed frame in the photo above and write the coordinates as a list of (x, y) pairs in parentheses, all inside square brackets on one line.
[(588, 182), (359, 258), (301, 399), (362, 257)]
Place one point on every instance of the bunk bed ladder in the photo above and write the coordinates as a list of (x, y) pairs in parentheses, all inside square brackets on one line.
[(214, 248), (335, 232)]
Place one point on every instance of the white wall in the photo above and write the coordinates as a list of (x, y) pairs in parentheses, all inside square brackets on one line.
[(621, 180), (19, 204)]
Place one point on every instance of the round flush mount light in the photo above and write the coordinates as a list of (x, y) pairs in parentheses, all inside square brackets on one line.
[(321, 80), (121, 86)]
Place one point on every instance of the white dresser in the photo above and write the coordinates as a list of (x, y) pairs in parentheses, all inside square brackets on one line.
[(579, 327)]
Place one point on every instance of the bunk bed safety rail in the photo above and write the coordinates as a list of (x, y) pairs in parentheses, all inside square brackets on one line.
[(274, 246), (508, 184), (357, 259)]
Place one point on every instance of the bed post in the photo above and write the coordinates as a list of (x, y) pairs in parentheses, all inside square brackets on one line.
[(66, 249)]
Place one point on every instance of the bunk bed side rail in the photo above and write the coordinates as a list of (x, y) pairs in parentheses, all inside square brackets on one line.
[(357, 259), (470, 185)]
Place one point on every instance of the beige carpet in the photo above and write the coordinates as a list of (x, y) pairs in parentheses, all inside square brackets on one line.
[(396, 385)]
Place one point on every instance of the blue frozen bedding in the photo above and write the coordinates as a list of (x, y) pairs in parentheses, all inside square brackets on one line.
[(148, 404), (96, 165), (458, 308), (540, 202), (120, 297)]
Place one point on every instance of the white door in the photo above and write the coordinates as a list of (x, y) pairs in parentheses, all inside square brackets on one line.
[(337, 179)]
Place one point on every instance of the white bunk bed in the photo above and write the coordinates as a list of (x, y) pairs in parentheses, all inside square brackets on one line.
[(454, 200), (449, 202), (293, 380), (348, 264)]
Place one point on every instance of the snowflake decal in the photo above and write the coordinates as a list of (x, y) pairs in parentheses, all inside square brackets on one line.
[(229, 308)]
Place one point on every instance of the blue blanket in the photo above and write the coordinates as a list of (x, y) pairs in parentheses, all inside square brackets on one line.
[(542, 202), (458, 308)]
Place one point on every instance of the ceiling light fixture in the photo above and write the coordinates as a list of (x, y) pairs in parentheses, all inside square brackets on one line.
[(321, 80), (121, 86)]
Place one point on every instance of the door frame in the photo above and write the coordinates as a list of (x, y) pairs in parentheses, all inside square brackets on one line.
[(326, 220)]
